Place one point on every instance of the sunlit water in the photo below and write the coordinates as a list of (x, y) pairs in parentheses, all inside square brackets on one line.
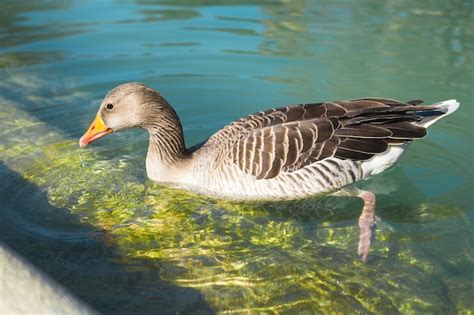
[(91, 220)]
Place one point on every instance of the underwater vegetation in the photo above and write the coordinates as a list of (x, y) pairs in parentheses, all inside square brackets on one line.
[(263, 257)]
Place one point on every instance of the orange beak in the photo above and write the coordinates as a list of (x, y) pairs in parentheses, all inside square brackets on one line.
[(97, 130)]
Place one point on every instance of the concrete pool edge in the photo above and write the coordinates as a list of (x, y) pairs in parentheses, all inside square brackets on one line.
[(25, 289)]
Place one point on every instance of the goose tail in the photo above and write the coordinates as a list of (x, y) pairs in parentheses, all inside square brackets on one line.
[(439, 110)]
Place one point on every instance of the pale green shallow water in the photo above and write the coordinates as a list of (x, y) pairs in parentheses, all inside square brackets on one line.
[(91, 220)]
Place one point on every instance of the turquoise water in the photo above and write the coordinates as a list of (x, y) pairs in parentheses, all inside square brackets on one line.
[(91, 220)]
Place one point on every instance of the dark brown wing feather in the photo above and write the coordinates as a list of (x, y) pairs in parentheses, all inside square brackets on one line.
[(289, 138)]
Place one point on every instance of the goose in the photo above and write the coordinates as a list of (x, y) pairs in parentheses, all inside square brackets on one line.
[(282, 153)]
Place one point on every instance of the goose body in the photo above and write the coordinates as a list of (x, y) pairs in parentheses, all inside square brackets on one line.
[(298, 151), (281, 153)]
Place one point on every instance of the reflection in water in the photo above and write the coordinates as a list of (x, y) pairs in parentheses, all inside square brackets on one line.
[(162, 15), (16, 30), (397, 37), (27, 58), (238, 31)]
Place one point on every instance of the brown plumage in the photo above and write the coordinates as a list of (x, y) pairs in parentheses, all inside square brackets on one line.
[(287, 139)]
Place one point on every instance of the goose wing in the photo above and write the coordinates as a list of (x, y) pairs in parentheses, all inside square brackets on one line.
[(287, 139)]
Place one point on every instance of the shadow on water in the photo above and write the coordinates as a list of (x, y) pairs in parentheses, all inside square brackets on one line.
[(74, 255)]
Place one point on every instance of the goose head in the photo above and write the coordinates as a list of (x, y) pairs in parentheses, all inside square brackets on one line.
[(130, 105)]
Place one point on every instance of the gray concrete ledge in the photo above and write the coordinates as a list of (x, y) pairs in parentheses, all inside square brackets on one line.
[(26, 290)]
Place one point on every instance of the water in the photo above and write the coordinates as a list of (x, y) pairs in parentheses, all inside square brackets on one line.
[(91, 220)]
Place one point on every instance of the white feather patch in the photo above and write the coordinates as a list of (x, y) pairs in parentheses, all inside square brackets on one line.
[(381, 162)]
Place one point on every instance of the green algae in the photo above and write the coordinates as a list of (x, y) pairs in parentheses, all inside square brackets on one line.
[(257, 257)]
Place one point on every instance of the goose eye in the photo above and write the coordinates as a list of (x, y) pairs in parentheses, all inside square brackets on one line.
[(109, 106)]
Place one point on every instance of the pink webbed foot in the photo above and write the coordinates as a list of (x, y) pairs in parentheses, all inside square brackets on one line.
[(367, 222)]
